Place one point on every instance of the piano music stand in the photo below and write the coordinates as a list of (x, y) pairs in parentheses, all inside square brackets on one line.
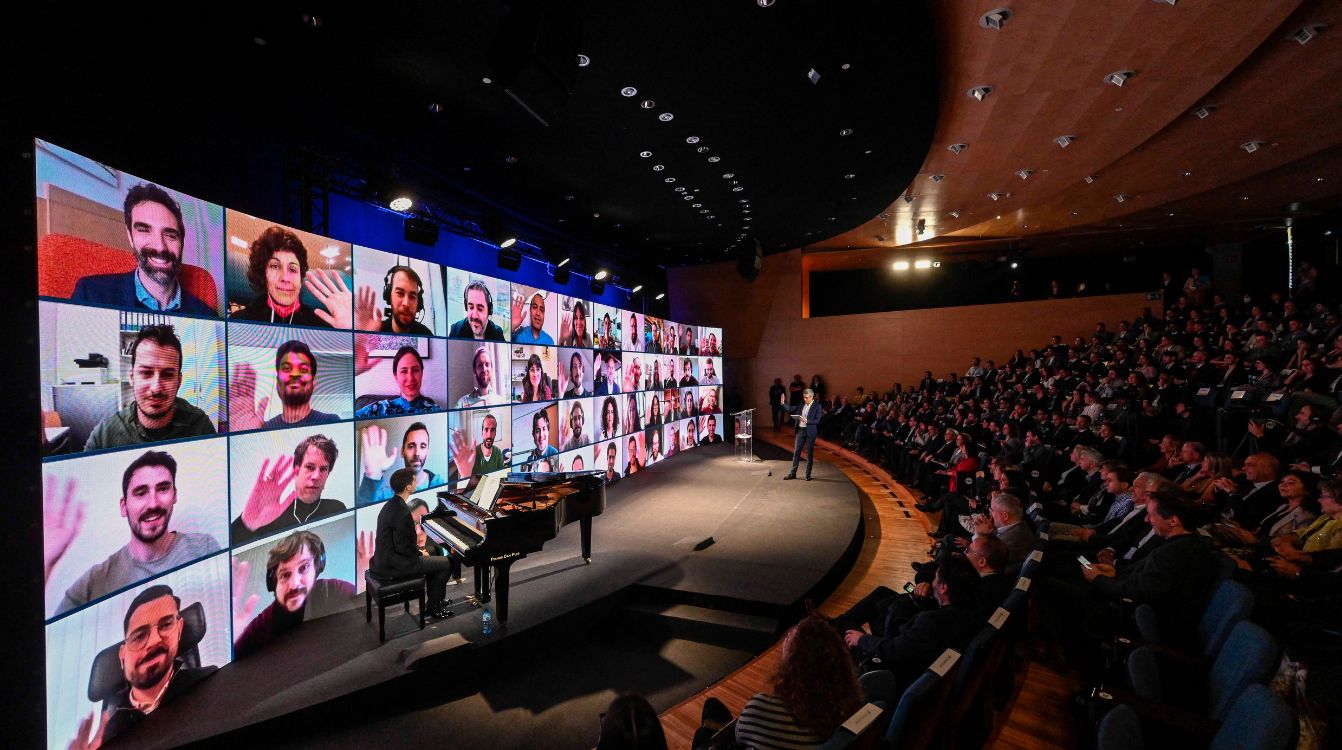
[(744, 421)]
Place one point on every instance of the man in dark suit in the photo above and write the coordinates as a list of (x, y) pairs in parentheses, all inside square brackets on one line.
[(908, 648), (397, 555), (807, 415)]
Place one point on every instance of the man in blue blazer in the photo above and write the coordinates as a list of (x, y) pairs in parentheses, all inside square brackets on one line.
[(807, 415)]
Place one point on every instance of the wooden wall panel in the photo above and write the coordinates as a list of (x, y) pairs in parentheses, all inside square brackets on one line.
[(765, 336)]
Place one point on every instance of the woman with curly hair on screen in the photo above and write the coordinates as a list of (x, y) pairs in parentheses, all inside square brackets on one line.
[(813, 692)]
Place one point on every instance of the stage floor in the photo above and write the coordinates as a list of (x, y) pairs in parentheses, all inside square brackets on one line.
[(773, 542)]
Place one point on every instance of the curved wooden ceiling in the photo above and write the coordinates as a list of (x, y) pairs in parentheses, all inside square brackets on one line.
[(1142, 141)]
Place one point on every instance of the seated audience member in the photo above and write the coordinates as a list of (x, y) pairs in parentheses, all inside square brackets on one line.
[(292, 571), (479, 304), (277, 266), (408, 369), (1117, 479), (156, 412), (1249, 501), (812, 693), (148, 496), (397, 553), (156, 233), (907, 648), (1296, 511), (630, 723), (268, 510)]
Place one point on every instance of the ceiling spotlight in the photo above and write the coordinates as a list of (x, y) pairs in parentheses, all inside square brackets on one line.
[(845, 132), (1119, 77), (845, 66), (1252, 146), (1024, 173), (883, 215), (629, 91), (702, 149), (645, 154), (680, 189), (636, 289), (647, 104), (313, 21), (995, 19), (1121, 197), (922, 263), (1187, 173), (714, 159), (1089, 179), (669, 179), (665, 117), (510, 159), (956, 148), (908, 197), (563, 263), (936, 264), (813, 76), (1206, 111), (660, 295), (727, 175), (980, 92), (658, 167), (435, 107), (762, 4), (737, 189), (1168, 2), (849, 176), (400, 203), (692, 139), (955, 214), (584, 61), (696, 205), (1064, 140), (599, 275), (901, 265), (1014, 264), (936, 177), (1304, 34), (998, 196)]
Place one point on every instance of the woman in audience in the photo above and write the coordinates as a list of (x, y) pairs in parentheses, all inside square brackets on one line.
[(630, 723), (1200, 486), (1324, 533), (814, 691)]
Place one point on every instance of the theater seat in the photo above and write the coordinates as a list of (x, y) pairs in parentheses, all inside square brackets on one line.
[(1258, 720), (106, 678), (66, 259)]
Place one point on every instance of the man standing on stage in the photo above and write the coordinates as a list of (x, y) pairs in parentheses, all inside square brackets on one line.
[(808, 423)]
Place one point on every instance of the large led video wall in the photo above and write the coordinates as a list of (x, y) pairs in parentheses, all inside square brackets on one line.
[(225, 398)]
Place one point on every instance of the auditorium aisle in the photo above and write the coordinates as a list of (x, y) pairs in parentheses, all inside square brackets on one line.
[(895, 537)]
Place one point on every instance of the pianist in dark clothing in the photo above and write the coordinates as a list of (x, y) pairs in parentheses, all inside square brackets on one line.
[(398, 555)]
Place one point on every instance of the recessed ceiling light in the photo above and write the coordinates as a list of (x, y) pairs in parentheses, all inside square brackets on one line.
[(980, 92), (995, 19), (669, 179), (692, 139), (1206, 111), (1252, 146), (1119, 77), (1121, 197), (813, 76), (400, 203), (745, 210), (665, 117), (696, 205), (901, 265), (680, 189), (1064, 140), (486, 80), (955, 214), (998, 196), (688, 197), (714, 159), (1187, 173), (703, 210), (703, 149), (568, 197), (1305, 34), (658, 167), (1171, 213), (636, 289), (1244, 197), (1089, 178), (435, 107), (661, 295), (596, 214), (883, 215), (599, 275), (868, 151), (833, 218), (259, 41), (645, 154), (562, 263), (744, 200), (849, 176), (764, 3), (846, 132), (936, 177), (956, 148), (584, 61), (922, 263), (465, 169), (908, 197), (1024, 173), (1318, 179), (647, 104), (845, 66), (629, 91), (312, 20)]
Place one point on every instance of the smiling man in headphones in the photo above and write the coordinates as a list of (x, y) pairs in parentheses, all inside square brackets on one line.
[(479, 304), (293, 567), (403, 294)]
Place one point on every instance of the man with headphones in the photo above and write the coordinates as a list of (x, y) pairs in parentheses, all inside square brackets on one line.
[(403, 294), (293, 567), (476, 325)]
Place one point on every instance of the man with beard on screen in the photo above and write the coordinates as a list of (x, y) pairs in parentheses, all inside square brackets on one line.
[(476, 325), (711, 432), (155, 413), (270, 511), (155, 231), (295, 380), (404, 294), (148, 495), (472, 459), (611, 472), (530, 332), (482, 393), (292, 570), (149, 662), (377, 459)]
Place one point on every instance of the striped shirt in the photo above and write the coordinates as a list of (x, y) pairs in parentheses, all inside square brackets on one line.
[(767, 724)]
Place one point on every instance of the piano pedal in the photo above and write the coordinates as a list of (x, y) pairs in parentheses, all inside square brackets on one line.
[(587, 561)]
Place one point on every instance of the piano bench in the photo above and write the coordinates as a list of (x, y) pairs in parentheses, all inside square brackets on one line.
[(391, 592)]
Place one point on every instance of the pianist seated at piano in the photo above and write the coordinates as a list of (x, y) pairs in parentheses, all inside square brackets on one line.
[(397, 553), (378, 458), (428, 547)]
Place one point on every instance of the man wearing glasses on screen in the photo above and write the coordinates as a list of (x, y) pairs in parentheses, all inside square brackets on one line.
[(155, 232), (156, 413), (148, 496), (154, 674)]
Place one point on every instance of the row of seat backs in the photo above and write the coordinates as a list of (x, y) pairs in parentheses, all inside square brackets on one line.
[(1249, 657), (1258, 720)]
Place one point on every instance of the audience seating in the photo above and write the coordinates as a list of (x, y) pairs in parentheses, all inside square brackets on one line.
[(1258, 720)]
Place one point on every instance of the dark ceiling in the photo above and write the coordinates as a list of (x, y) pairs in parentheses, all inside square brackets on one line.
[(777, 157)]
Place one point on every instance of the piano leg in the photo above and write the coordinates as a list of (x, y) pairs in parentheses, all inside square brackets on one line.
[(482, 584), (585, 526), (501, 588)]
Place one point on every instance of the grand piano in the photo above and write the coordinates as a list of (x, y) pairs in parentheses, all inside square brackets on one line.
[(507, 518)]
